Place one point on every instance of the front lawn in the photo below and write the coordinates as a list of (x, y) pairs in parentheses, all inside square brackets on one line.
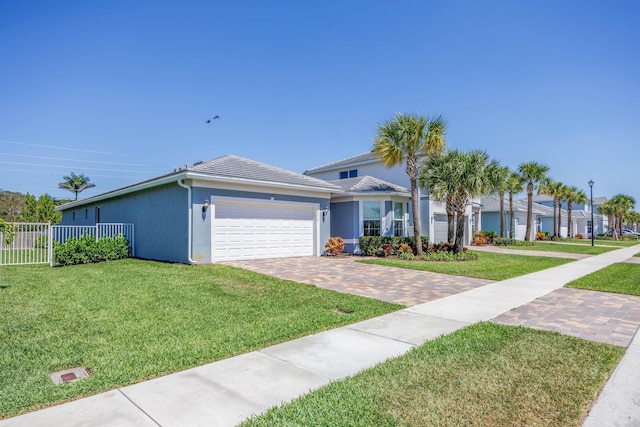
[(483, 375), (601, 242), (489, 265), (567, 248), (620, 278), (131, 320)]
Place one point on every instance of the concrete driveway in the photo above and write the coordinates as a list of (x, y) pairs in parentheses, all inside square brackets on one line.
[(344, 274)]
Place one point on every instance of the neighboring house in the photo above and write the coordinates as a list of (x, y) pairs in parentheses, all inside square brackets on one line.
[(542, 217), (368, 206), (229, 208), (580, 216), (433, 217)]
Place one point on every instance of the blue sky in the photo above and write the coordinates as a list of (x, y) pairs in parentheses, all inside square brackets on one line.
[(120, 90)]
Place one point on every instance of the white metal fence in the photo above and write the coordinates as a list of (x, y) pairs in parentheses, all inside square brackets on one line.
[(32, 243)]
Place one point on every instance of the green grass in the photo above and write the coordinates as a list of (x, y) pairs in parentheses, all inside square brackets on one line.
[(492, 266), (483, 375), (130, 320), (568, 248), (602, 242), (621, 278)]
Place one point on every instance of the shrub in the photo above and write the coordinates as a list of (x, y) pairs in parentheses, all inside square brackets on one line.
[(480, 238), (335, 246), (387, 250), (404, 248), (579, 236), (87, 249), (6, 230), (507, 241), (372, 245), (449, 256), (407, 256)]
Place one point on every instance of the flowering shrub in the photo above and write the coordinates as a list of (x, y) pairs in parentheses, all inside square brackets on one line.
[(480, 239), (542, 236), (404, 248), (334, 246), (387, 250), (579, 236)]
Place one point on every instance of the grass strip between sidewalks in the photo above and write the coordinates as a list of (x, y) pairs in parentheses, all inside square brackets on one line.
[(131, 320), (620, 278), (568, 248), (483, 375), (489, 265)]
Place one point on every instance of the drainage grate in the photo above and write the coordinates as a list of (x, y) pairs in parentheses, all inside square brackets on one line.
[(69, 376)]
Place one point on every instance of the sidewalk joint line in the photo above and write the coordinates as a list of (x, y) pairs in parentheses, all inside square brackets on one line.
[(138, 406)]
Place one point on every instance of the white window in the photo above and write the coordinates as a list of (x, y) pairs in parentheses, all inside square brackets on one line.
[(371, 218), (398, 219)]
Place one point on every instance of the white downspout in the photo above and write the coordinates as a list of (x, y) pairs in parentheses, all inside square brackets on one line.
[(190, 210)]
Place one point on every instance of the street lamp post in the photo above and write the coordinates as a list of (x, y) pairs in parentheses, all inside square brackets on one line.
[(593, 226)]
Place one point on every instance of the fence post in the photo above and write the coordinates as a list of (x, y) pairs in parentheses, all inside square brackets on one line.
[(50, 244)]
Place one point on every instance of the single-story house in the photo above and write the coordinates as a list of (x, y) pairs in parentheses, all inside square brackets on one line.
[(229, 208)]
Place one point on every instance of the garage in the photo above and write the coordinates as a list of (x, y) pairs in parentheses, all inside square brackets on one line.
[(251, 230), (440, 229)]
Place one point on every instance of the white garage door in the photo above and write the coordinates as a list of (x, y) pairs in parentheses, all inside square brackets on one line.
[(251, 231), (440, 229)]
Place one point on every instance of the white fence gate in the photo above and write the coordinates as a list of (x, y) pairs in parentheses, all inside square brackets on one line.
[(32, 243)]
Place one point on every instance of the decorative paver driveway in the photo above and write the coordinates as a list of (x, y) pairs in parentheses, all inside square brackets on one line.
[(595, 316), (343, 274)]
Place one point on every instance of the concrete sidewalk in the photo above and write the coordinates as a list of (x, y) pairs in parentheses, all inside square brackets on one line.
[(226, 392)]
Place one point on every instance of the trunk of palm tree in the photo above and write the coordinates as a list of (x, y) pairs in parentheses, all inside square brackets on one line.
[(501, 194), (458, 245), (560, 220), (527, 236), (512, 221), (416, 216), (555, 223), (569, 227)]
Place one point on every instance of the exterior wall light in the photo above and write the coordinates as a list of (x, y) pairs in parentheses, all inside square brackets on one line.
[(205, 206), (325, 211)]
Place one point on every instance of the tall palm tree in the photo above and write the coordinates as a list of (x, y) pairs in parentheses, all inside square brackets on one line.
[(574, 195), (531, 173), (622, 204), (553, 189), (502, 174), (514, 186), (473, 175), (75, 183), (409, 138), (563, 196)]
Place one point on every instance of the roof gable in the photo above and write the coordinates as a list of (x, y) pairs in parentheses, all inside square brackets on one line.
[(368, 185)]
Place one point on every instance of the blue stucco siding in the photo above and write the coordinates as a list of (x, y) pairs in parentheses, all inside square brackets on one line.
[(345, 223), (491, 222), (159, 216)]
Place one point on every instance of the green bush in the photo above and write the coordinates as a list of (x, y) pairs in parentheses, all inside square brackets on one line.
[(507, 241), (87, 249), (449, 256), (375, 245)]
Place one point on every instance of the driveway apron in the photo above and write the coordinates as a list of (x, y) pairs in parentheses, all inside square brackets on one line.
[(344, 274)]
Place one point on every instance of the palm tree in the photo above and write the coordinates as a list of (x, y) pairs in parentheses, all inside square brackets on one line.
[(632, 218), (553, 189), (574, 195), (514, 186), (622, 204), (532, 174), (563, 196), (609, 209), (458, 177), (502, 174), (75, 183), (409, 138)]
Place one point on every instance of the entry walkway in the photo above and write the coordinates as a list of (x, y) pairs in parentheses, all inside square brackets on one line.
[(227, 392)]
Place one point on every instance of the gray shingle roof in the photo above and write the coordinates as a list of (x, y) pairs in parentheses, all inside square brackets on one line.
[(355, 160), (368, 184), (492, 204), (238, 167)]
